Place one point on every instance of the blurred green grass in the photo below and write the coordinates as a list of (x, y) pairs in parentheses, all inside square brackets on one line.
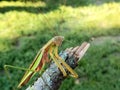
[(26, 27)]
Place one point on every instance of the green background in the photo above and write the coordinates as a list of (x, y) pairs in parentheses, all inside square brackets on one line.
[(26, 26)]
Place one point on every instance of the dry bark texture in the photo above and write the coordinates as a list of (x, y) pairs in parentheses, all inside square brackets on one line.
[(52, 78)]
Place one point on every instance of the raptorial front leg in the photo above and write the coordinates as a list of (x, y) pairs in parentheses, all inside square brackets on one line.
[(57, 63), (74, 74)]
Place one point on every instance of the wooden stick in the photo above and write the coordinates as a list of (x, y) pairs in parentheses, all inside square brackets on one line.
[(52, 78)]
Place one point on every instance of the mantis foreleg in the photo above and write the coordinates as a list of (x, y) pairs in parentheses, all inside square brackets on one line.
[(74, 74), (57, 63)]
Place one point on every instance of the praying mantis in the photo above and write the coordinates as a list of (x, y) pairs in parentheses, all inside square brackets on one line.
[(49, 50)]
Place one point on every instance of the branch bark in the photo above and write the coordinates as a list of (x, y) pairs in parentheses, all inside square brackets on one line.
[(52, 78)]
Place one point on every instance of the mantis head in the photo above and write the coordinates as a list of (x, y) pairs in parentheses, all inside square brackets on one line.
[(58, 40)]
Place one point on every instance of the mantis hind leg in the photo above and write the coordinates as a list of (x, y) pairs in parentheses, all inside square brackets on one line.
[(74, 74), (15, 67)]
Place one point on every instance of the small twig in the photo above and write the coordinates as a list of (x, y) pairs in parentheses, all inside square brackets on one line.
[(51, 79)]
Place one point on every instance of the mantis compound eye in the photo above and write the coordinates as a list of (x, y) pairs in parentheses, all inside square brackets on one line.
[(58, 40)]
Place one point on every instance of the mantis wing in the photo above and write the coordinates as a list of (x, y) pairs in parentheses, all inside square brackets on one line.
[(35, 66)]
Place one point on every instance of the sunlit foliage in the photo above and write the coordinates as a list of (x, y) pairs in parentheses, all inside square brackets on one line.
[(26, 26)]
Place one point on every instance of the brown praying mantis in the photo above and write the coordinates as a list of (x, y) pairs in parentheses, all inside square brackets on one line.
[(49, 50)]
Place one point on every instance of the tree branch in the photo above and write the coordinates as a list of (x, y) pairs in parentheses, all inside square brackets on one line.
[(52, 78)]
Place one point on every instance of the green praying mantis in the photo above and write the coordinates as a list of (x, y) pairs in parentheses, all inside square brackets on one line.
[(49, 50)]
